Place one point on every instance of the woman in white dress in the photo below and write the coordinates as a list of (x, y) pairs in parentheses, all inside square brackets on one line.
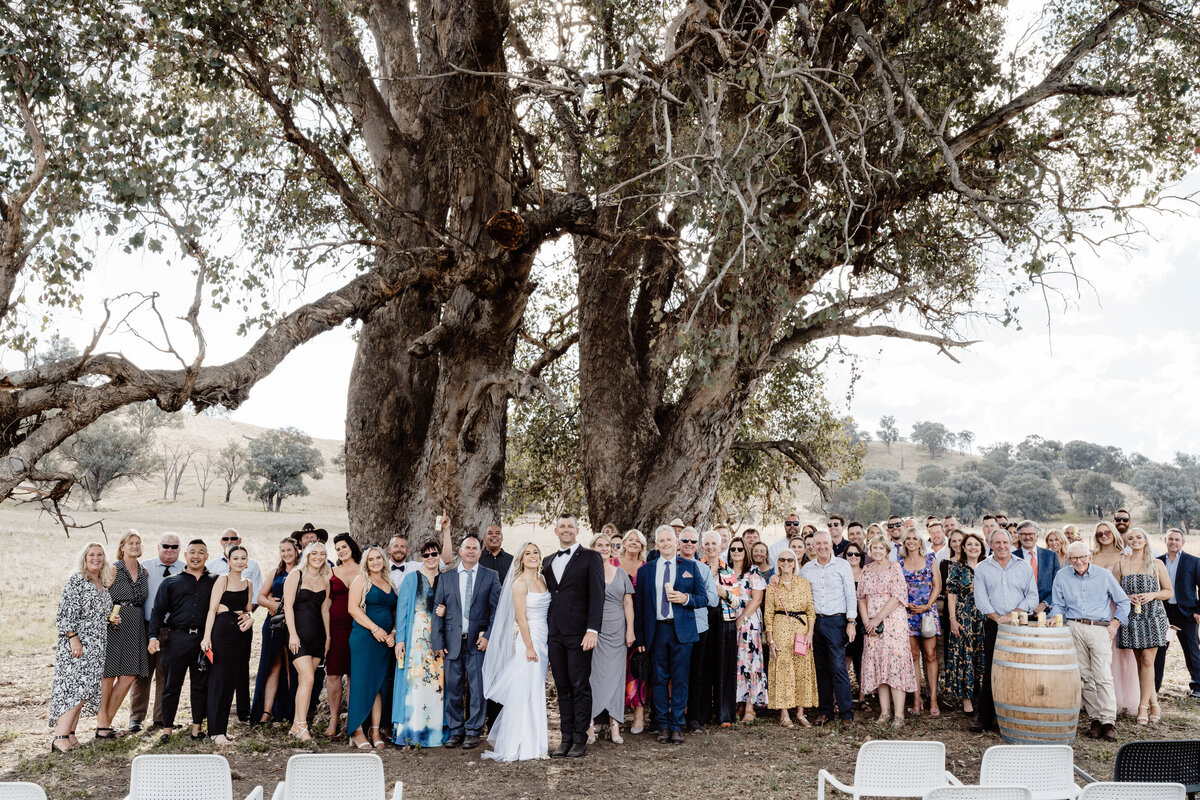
[(514, 666)]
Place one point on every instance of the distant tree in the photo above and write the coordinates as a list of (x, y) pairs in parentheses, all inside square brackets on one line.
[(277, 464), (931, 435), (931, 475), (872, 507), (973, 495), (845, 499), (1025, 466), (965, 438), (1077, 454), (1169, 492), (888, 432), (205, 473), (900, 497), (1070, 479), (1044, 451), (1028, 495), (990, 471), (855, 434), (936, 500), (1116, 463), (148, 417), (881, 474), (105, 453), (58, 348), (1094, 494), (173, 462), (231, 466), (1000, 453)]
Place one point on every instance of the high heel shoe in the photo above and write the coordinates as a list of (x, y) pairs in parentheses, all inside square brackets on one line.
[(377, 742), (300, 731), (54, 748), (614, 732), (363, 745), (1155, 712), (1142, 718), (591, 734)]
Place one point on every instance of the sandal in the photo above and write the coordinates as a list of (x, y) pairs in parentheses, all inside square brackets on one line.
[(54, 748), (591, 734), (898, 722), (802, 721), (365, 744), (935, 712), (614, 732), (1155, 712), (112, 733), (1142, 717), (748, 718), (784, 722), (267, 718), (300, 731), (376, 742)]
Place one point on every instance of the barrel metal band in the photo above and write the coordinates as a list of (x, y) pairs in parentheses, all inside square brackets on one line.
[(1023, 736), (1051, 667), (1036, 651), (1031, 710)]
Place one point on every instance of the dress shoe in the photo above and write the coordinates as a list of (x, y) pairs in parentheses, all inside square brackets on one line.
[(1108, 732), (847, 722), (578, 750), (453, 741), (164, 739), (1094, 730), (676, 737), (562, 750), (694, 727), (977, 727), (1194, 694), (135, 726), (663, 736), (470, 743)]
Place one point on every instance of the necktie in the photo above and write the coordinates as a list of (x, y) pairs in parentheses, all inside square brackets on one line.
[(166, 572), (1031, 557), (666, 604), (470, 591)]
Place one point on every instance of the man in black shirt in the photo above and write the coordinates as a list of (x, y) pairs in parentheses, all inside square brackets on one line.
[(181, 607)]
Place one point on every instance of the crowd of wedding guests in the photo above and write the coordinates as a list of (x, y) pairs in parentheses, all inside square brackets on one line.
[(669, 633)]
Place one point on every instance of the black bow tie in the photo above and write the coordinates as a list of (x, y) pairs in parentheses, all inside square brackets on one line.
[(397, 566), (566, 552)]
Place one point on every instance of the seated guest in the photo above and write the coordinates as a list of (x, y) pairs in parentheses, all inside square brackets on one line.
[(1084, 595), (668, 590), (790, 615), (181, 607), (82, 624)]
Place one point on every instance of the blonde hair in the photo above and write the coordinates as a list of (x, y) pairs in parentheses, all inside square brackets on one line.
[(518, 567), (880, 539), (125, 537), (107, 571), (608, 526), (921, 549), (364, 571), (1062, 541), (595, 540), (1148, 559), (633, 533), (325, 570), (1118, 542)]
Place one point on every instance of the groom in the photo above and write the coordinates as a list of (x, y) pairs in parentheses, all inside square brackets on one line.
[(575, 577)]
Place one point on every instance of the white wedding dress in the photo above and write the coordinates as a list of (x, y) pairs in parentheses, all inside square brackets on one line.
[(521, 731)]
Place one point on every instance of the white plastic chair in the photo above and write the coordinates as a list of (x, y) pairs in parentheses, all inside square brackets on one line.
[(979, 793), (893, 769), (1047, 770), (335, 776), (183, 777), (1133, 791), (21, 791)]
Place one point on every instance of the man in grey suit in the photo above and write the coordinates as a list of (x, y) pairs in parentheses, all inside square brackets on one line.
[(466, 599)]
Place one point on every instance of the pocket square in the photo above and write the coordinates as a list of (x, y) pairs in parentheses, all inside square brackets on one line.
[(686, 575)]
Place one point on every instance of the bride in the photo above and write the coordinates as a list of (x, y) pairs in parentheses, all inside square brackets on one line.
[(514, 666)]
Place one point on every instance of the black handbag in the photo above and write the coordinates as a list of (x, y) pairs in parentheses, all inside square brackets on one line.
[(639, 667), (202, 662), (278, 623)]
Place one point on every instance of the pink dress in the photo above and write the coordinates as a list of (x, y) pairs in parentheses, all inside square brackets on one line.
[(887, 658)]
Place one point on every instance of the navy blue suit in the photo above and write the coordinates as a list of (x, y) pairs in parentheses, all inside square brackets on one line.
[(1180, 614), (669, 642), (1047, 568), (464, 659)]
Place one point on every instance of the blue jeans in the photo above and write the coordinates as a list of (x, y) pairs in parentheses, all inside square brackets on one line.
[(829, 653), (464, 673)]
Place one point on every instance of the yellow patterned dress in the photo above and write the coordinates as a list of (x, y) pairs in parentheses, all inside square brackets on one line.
[(791, 679)]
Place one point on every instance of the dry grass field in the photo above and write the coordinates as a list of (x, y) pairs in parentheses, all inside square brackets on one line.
[(759, 761)]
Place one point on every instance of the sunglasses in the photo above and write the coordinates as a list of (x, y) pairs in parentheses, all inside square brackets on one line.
[(852, 554), (781, 559), (835, 524), (1120, 519), (169, 546), (229, 538), (1104, 533), (893, 525), (737, 549), (689, 541), (430, 554), (790, 524)]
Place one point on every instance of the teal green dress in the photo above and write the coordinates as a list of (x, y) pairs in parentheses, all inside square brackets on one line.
[(372, 663)]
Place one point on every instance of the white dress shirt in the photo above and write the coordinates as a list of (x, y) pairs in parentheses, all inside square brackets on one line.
[(462, 592), (560, 560), (660, 567), (252, 573), (154, 568), (832, 587)]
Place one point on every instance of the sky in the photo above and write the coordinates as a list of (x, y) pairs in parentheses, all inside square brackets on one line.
[(1114, 362)]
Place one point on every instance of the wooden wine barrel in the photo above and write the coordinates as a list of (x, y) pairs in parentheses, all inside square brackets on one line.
[(1035, 683)]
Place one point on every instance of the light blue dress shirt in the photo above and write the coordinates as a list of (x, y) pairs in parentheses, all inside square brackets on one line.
[(1088, 596), (710, 592), (1003, 590), (1172, 569), (832, 587)]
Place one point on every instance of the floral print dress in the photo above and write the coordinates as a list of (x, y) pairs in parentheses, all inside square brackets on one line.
[(887, 658), (920, 589), (83, 610), (751, 670), (964, 653)]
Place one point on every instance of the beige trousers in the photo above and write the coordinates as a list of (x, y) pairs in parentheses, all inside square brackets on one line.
[(1093, 651)]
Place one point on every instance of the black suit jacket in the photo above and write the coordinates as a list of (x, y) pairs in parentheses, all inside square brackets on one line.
[(1187, 583), (576, 602)]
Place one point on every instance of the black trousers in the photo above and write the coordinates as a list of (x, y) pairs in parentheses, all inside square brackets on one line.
[(231, 661), (572, 668), (985, 705), (1187, 640), (179, 656), (699, 704), (719, 677)]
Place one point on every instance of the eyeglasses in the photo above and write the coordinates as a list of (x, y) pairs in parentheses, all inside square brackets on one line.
[(169, 546), (737, 549), (893, 525), (791, 524), (1120, 519), (689, 541)]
